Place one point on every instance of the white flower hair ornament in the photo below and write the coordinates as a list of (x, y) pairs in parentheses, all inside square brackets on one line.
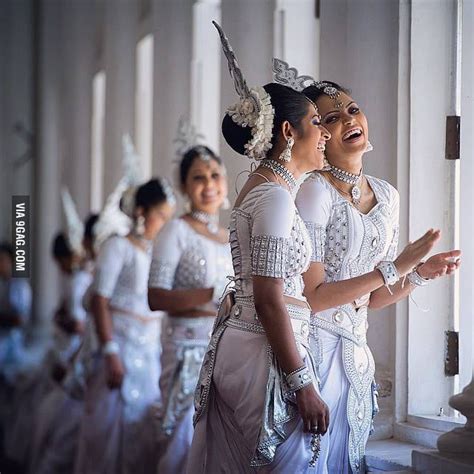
[(254, 108), (74, 224)]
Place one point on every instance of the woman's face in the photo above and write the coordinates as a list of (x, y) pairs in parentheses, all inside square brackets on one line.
[(311, 141), (347, 125), (206, 185), (156, 217)]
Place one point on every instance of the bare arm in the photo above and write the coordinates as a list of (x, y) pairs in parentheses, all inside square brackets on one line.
[(323, 295), (272, 312), (445, 263), (102, 318), (10, 319), (174, 301)]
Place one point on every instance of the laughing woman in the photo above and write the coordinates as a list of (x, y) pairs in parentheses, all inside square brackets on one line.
[(352, 219), (189, 272)]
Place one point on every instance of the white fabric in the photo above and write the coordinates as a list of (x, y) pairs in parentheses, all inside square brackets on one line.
[(349, 244), (116, 434), (183, 259), (245, 407)]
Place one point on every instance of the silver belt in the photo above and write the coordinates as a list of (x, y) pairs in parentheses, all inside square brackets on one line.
[(299, 319)]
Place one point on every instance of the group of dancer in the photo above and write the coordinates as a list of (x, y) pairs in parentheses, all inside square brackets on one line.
[(260, 362)]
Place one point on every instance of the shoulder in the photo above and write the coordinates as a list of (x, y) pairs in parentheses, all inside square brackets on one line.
[(274, 198), (314, 196), (315, 187), (114, 247)]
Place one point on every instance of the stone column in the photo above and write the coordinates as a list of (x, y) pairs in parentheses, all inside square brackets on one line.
[(296, 33), (206, 72), (46, 202)]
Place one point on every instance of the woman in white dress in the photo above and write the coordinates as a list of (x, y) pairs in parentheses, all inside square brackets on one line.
[(353, 222), (116, 434), (191, 262), (257, 406)]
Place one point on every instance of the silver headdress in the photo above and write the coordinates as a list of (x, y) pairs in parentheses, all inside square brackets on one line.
[(288, 76), (167, 190), (254, 108), (116, 216), (112, 221), (74, 224), (187, 138), (132, 172)]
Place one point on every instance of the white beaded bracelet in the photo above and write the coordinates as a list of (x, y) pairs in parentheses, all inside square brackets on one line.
[(389, 273), (299, 378), (110, 347)]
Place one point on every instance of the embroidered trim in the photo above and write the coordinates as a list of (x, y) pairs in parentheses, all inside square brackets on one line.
[(161, 275), (269, 255), (317, 235)]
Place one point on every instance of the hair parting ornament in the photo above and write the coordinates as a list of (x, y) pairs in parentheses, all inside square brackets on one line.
[(254, 108)]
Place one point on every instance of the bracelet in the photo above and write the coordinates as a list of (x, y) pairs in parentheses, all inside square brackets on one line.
[(110, 347), (389, 273), (416, 279), (299, 378)]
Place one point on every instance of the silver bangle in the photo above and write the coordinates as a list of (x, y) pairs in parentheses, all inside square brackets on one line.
[(110, 347), (389, 273), (298, 379), (416, 279)]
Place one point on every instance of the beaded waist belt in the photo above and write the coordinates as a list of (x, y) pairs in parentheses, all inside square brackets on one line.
[(244, 317), (346, 321), (189, 330)]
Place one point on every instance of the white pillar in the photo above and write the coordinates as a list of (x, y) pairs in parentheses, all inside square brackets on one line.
[(77, 69), (120, 41), (46, 203), (206, 72), (172, 26), (461, 440), (296, 32)]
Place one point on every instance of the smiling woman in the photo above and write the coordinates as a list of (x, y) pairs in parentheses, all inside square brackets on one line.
[(188, 274), (353, 223)]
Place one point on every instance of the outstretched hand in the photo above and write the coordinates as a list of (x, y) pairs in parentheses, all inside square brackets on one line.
[(444, 263)]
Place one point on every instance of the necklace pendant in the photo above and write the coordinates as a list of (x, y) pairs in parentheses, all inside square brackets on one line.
[(356, 194)]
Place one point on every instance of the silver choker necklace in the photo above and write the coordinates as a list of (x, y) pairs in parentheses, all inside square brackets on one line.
[(354, 180), (281, 171), (211, 220)]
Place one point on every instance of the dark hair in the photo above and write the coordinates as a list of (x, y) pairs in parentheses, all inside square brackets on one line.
[(6, 248), (314, 93), (288, 104), (89, 225), (150, 194), (61, 246), (190, 156)]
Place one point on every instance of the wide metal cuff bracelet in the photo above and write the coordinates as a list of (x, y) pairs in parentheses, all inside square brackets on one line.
[(110, 347), (298, 379), (389, 272), (416, 279)]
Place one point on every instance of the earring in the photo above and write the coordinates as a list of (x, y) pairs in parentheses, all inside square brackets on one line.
[(186, 204), (140, 225), (369, 147), (286, 153), (225, 204)]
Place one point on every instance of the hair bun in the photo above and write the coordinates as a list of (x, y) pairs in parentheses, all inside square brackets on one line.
[(235, 135)]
